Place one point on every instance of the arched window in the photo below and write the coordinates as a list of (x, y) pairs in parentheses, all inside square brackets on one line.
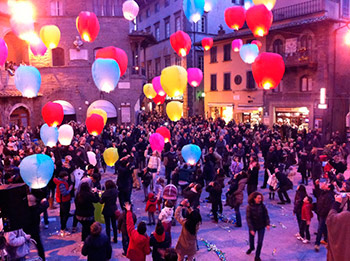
[(58, 57), (278, 47), (107, 7), (305, 83), (306, 43)]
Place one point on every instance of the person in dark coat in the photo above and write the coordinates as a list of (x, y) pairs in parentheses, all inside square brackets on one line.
[(270, 163), (124, 231), (193, 194), (284, 185), (302, 166), (215, 192), (109, 198), (220, 179), (159, 240), (97, 246), (300, 194), (124, 181), (257, 220), (208, 169), (253, 176)]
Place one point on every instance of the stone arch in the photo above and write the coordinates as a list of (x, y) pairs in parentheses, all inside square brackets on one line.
[(20, 119)]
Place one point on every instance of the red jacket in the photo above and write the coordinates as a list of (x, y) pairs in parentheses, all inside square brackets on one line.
[(138, 244), (66, 198), (306, 212), (151, 205)]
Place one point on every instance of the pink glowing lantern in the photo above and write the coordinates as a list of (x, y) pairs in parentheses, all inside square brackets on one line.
[(157, 142), (38, 49), (194, 76), (157, 86), (3, 51), (236, 45)]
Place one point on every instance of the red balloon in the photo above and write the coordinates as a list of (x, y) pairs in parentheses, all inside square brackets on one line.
[(259, 20), (52, 114), (94, 124), (268, 70), (207, 43), (165, 132), (116, 54), (181, 43), (88, 26), (159, 99), (235, 17), (257, 43)]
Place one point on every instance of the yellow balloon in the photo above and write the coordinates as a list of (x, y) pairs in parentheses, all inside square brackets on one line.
[(268, 3), (99, 112), (148, 90), (111, 156), (174, 80), (50, 35), (174, 110)]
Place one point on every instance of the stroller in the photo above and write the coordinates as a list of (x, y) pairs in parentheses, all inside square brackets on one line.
[(170, 193)]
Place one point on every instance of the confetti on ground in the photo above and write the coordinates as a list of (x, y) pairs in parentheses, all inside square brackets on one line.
[(283, 226), (212, 247)]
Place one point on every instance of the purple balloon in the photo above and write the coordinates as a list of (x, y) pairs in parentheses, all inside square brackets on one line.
[(157, 86), (157, 142), (3, 51), (38, 49)]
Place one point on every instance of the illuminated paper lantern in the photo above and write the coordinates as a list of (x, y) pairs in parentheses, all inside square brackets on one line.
[(130, 10), (181, 43), (174, 110), (259, 20), (149, 91), (92, 158), (116, 54), (194, 76), (106, 74), (257, 43), (100, 112), (28, 81), (165, 132), (49, 135), (36, 170), (38, 49), (268, 70), (193, 9), (3, 52), (235, 17), (207, 43), (191, 153), (209, 5), (157, 142), (159, 99), (50, 36), (88, 26), (52, 114), (157, 86), (248, 4), (268, 3), (237, 45), (94, 124), (110, 156), (174, 80), (65, 134), (249, 52)]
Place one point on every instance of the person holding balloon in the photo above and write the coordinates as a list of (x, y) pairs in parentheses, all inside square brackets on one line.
[(154, 165)]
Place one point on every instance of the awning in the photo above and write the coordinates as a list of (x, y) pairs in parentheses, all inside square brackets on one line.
[(247, 108), (220, 104), (107, 106), (68, 108)]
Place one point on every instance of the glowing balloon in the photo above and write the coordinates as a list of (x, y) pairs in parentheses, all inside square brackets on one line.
[(88, 26), (181, 43), (3, 52), (99, 112), (130, 10), (92, 158), (106, 74), (209, 5), (36, 170), (268, 3), (65, 134), (159, 99), (94, 124), (207, 43), (257, 43), (149, 91), (191, 153), (235, 17), (249, 52), (38, 49), (193, 9), (52, 114), (174, 80), (259, 20), (165, 132), (116, 54), (268, 70), (157, 86), (28, 81), (194, 76), (237, 45), (49, 135), (110, 156), (174, 110), (157, 142), (50, 35), (248, 4)]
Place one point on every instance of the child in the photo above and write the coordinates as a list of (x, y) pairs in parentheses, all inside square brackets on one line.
[(158, 189), (166, 216), (151, 207), (273, 183), (306, 215)]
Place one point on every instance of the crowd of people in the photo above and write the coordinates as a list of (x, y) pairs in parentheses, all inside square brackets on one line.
[(232, 156)]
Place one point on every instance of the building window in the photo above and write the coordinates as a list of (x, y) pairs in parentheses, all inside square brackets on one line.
[(148, 12), (167, 27), (177, 23), (140, 17), (213, 82), (166, 3), (148, 29), (250, 81), (156, 8), (227, 52), (178, 61), (306, 44), (345, 8), (106, 7), (158, 66), (305, 84), (167, 61), (201, 62), (95, 51), (157, 31), (278, 47), (202, 25), (56, 8), (213, 54), (227, 81), (279, 87), (58, 57), (149, 69)]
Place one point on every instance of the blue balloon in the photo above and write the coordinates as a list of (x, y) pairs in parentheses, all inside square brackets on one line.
[(36, 170), (209, 5), (249, 52), (106, 74), (191, 153), (28, 81), (193, 9), (49, 135)]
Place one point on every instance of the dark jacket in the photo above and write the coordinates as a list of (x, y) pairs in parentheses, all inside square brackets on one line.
[(159, 242), (234, 198), (257, 216), (298, 201), (253, 176), (109, 198), (84, 203), (124, 181), (215, 192), (97, 248), (192, 197), (284, 181), (324, 202), (122, 222)]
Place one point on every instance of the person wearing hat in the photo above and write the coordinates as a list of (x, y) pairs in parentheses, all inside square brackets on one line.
[(159, 240)]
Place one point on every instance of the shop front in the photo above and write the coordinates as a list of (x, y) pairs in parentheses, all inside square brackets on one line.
[(248, 114), (299, 116), (224, 111)]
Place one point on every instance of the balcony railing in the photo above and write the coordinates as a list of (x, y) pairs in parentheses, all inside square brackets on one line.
[(302, 57), (306, 8)]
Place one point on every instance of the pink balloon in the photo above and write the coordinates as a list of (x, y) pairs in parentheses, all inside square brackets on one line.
[(157, 86), (3, 51), (194, 76), (38, 49), (236, 45), (157, 142)]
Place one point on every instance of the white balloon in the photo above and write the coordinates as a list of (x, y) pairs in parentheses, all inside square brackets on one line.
[(92, 158), (65, 134)]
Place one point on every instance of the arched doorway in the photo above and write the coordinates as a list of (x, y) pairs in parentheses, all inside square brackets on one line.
[(68, 110), (17, 49), (20, 117)]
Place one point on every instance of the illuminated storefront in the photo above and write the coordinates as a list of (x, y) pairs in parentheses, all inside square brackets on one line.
[(298, 116)]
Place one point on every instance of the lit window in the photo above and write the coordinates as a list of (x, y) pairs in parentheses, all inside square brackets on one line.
[(56, 8), (177, 23), (167, 27), (305, 84)]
